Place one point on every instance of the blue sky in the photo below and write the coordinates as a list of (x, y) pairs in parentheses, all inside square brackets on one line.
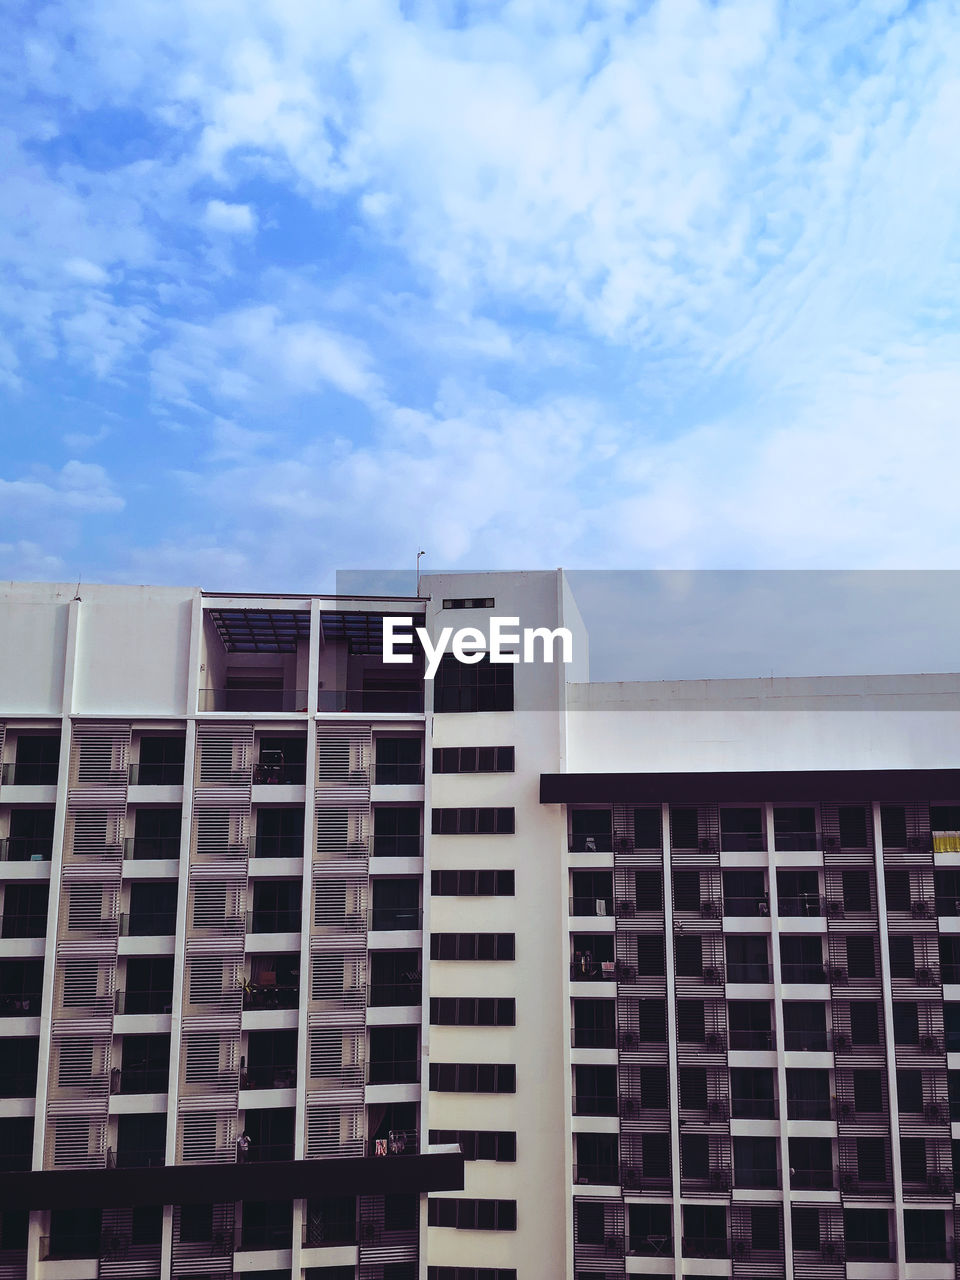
[(298, 285)]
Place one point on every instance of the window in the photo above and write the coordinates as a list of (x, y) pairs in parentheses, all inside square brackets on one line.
[(401, 1212), (651, 958), (466, 1273), (794, 827), (396, 832), (474, 884), (913, 1159), (686, 890), (647, 829), (594, 1024), (688, 955), (798, 892), (472, 946), (747, 959), (805, 1025), (868, 1090), (141, 1140), (861, 955), (856, 889), (473, 1011), (906, 1022), (474, 602), (752, 1093), (750, 1026), (21, 988), (398, 761), (693, 1088), (765, 1227), (867, 1234), (741, 829), (654, 1088), (18, 1066), (655, 1157), (694, 1156), (903, 961), (153, 909), (808, 1094), (893, 825), (595, 1090), (652, 1021), (474, 759), (590, 1222), (394, 1055), (801, 959), (691, 1023), (24, 910), (896, 881), (704, 1231), (473, 1215), (473, 1077), (463, 822), (864, 1022), (650, 1228), (478, 686), (684, 828), (811, 1164), (745, 893), (16, 1143), (852, 823), (479, 1144), (648, 888), (871, 1159), (196, 1223), (755, 1162), (925, 1235), (806, 1228), (279, 833)]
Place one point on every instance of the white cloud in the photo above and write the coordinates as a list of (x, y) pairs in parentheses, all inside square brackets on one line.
[(237, 219)]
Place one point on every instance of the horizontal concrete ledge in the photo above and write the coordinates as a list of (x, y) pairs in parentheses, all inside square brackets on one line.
[(222, 1183), (895, 785)]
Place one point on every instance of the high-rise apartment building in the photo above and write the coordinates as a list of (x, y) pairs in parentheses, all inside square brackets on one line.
[(311, 967)]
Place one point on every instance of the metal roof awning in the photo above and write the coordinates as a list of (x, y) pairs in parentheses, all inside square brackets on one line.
[(261, 630)]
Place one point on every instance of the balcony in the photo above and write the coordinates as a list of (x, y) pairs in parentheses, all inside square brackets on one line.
[(806, 905), (593, 1037), (590, 842), (26, 849), (252, 697), (812, 1180), (139, 1080), (394, 994), (399, 1142), (20, 1004), (142, 847), (276, 847), (265, 1153), (259, 1236), (53, 1248), (596, 1104), (274, 920), (800, 973), (165, 773), (753, 1108), (395, 918), (397, 846), (394, 1071), (928, 1250), (30, 775), (376, 701), (267, 773), (806, 1041), (269, 1076), (749, 973), (398, 774), (809, 1109), (148, 924), (140, 1002), (593, 907), (136, 1157), (756, 1040), (321, 1232), (258, 997), (593, 971), (750, 906), (606, 1175), (705, 1247)]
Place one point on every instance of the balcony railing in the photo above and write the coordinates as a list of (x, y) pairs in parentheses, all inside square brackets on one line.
[(591, 906), (136, 1158), (816, 973), (394, 994), (398, 775), (749, 906), (257, 996), (748, 972), (273, 1076), (946, 905), (396, 918), (274, 920), (136, 1002), (326, 1232), (116, 1247), (595, 1104), (928, 1250), (397, 846), (753, 1108), (607, 1175), (24, 924), (264, 1153), (30, 775), (796, 841), (253, 698), (148, 924), (382, 701), (593, 971), (706, 1247), (293, 774), (394, 1071), (758, 1040), (593, 1037), (651, 1246), (806, 1041), (66, 1246), (276, 847), (809, 1109), (20, 1004), (165, 773), (142, 847), (139, 1080), (805, 904), (26, 849), (398, 1142), (812, 1179), (590, 842)]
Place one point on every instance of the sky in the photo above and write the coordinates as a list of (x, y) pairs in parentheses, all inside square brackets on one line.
[(294, 286)]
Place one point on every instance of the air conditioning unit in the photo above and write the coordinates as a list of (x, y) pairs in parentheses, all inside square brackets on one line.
[(628, 1106), (919, 844), (842, 1043), (835, 910), (937, 1182), (613, 1244), (713, 1041), (709, 910), (626, 973), (848, 1181), (720, 1179), (922, 910), (741, 1248), (626, 908), (831, 1249), (846, 1111), (717, 1109), (624, 845), (712, 975), (933, 1113), (707, 845), (930, 1044), (839, 976), (925, 978), (831, 842), (628, 1040), (631, 1178)]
